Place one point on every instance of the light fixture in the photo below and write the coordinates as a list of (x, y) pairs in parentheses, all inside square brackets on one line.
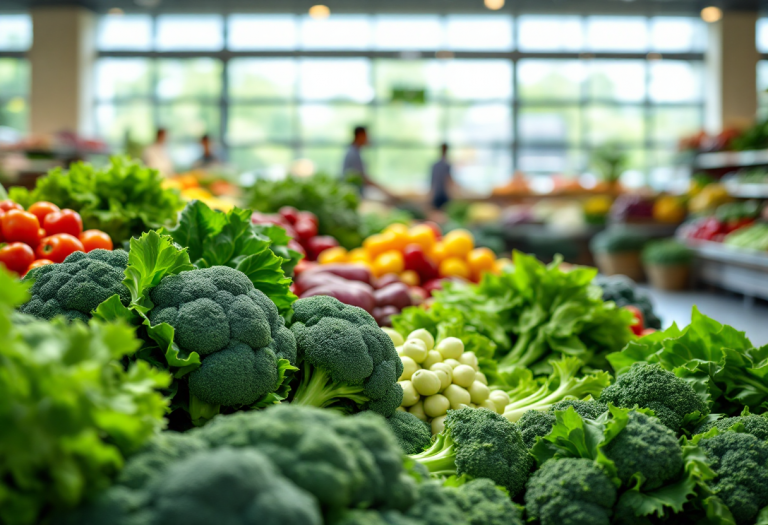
[(319, 12), (711, 14), (116, 11), (494, 5)]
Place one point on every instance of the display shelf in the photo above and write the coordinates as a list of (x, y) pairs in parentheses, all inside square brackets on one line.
[(747, 190), (738, 270), (730, 159)]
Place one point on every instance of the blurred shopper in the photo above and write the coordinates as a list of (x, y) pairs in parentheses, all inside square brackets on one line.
[(208, 159), (156, 155), (441, 181), (354, 167)]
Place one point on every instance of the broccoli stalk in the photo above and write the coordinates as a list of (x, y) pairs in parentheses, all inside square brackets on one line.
[(318, 389), (440, 458), (562, 384)]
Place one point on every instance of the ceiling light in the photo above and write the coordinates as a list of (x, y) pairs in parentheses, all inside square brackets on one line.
[(711, 14), (494, 5), (319, 12), (116, 11)]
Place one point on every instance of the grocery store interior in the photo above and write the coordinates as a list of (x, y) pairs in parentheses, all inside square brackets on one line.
[(589, 129)]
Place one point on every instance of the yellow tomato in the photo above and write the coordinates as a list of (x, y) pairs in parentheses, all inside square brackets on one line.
[(424, 236), (410, 278), (358, 255), (389, 262), (400, 231), (334, 255), (454, 267), (438, 253), (458, 243), (481, 259), (503, 264), (379, 243)]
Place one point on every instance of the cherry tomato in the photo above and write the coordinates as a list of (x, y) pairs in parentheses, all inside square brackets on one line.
[(438, 253), (289, 213), (309, 216), (95, 239), (639, 324), (454, 267), (424, 236), (379, 243), (64, 221), (458, 243), (389, 262), (17, 257), (481, 260), (305, 229), (400, 232), (57, 247), (337, 254), (20, 226), (38, 263), (42, 209), (10, 205)]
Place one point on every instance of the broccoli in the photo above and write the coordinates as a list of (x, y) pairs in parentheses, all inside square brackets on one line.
[(436, 505), (646, 447), (650, 386), (345, 462), (753, 424), (484, 503), (373, 517), (413, 435), (480, 444), (740, 462), (589, 409), (77, 286), (570, 491), (151, 461), (235, 329), (535, 424), (345, 357)]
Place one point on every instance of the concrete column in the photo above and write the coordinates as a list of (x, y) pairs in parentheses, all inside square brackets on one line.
[(62, 57)]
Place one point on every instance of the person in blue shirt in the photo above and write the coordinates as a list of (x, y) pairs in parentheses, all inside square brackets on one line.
[(441, 179), (354, 165)]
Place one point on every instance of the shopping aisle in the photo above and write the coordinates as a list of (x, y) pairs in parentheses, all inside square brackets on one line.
[(727, 309)]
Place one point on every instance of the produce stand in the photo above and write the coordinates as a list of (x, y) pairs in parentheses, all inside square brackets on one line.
[(736, 270)]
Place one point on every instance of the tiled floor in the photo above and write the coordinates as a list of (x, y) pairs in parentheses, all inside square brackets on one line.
[(725, 308)]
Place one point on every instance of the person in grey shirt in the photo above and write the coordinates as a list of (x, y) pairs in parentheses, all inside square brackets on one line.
[(354, 165), (441, 179)]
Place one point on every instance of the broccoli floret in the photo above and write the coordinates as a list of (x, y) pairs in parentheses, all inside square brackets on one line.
[(436, 505), (481, 444), (165, 449), (591, 409), (646, 447), (77, 286), (535, 424), (413, 435), (345, 357), (235, 329), (753, 424), (570, 491), (373, 517), (650, 386), (484, 503), (740, 462)]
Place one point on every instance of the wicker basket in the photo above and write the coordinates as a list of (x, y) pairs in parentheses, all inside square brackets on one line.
[(671, 277), (621, 263)]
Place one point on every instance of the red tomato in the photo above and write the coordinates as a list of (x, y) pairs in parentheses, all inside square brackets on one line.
[(289, 213), (435, 228), (38, 263), (57, 247), (17, 257), (637, 327), (305, 229), (20, 226), (309, 216), (42, 209), (95, 239), (64, 221), (10, 205)]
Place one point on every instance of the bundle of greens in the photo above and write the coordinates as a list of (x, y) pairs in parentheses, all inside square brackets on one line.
[(69, 409), (124, 199), (332, 200)]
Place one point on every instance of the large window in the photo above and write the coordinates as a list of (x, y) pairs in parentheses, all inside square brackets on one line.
[(15, 39), (534, 93)]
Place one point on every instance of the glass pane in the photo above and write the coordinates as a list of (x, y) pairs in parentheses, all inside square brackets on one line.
[(189, 120), (424, 75), (671, 124), (762, 83), (609, 124), (336, 79), (251, 32), (556, 160), (484, 32), (400, 122), (336, 32), (550, 79), (678, 34), (325, 124), (325, 159), (622, 80), (184, 154), (194, 77), (15, 32), (270, 78), (617, 33), (115, 122), (550, 33), (125, 32), (674, 81), (14, 77), (182, 32), (762, 35), (479, 79), (408, 32), (123, 77), (480, 170), (547, 125), (14, 113), (260, 123), (480, 124), (269, 161), (403, 168)]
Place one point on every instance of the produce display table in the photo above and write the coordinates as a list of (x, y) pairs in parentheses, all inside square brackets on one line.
[(737, 270)]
